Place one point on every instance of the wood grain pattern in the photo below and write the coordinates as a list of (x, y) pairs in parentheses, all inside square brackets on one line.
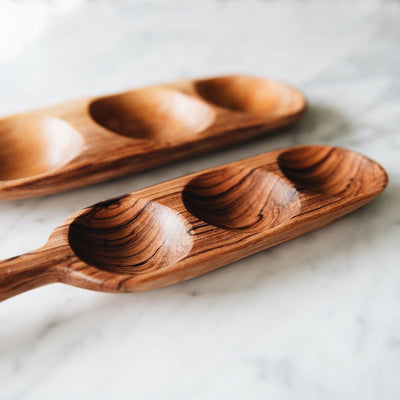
[(191, 225), (95, 139)]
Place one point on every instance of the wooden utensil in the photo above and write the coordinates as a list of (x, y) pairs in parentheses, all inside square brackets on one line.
[(95, 139), (188, 226)]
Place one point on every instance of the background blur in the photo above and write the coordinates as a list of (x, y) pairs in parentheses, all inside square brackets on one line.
[(315, 318)]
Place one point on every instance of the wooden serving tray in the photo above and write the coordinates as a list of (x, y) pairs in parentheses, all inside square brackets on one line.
[(95, 139), (188, 226)]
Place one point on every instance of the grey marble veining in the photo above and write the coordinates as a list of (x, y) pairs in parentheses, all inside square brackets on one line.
[(317, 317)]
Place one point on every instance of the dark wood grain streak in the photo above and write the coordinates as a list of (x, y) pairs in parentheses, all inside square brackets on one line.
[(191, 225)]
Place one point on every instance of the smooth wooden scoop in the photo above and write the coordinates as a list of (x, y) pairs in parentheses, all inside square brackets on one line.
[(191, 225), (95, 139)]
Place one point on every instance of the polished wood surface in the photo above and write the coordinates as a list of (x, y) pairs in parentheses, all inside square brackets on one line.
[(188, 226), (95, 139)]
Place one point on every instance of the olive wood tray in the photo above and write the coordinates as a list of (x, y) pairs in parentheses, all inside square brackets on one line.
[(188, 226), (95, 139)]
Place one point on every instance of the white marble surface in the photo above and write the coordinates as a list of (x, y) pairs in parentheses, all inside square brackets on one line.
[(315, 318)]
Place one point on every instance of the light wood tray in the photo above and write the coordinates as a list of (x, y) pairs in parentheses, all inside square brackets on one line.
[(95, 139)]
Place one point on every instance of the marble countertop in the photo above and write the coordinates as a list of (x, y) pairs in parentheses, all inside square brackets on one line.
[(315, 318)]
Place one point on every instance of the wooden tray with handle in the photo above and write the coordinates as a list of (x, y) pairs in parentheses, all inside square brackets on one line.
[(188, 226), (95, 139)]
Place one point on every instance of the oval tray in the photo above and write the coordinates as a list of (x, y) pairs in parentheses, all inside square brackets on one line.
[(95, 139), (188, 226)]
